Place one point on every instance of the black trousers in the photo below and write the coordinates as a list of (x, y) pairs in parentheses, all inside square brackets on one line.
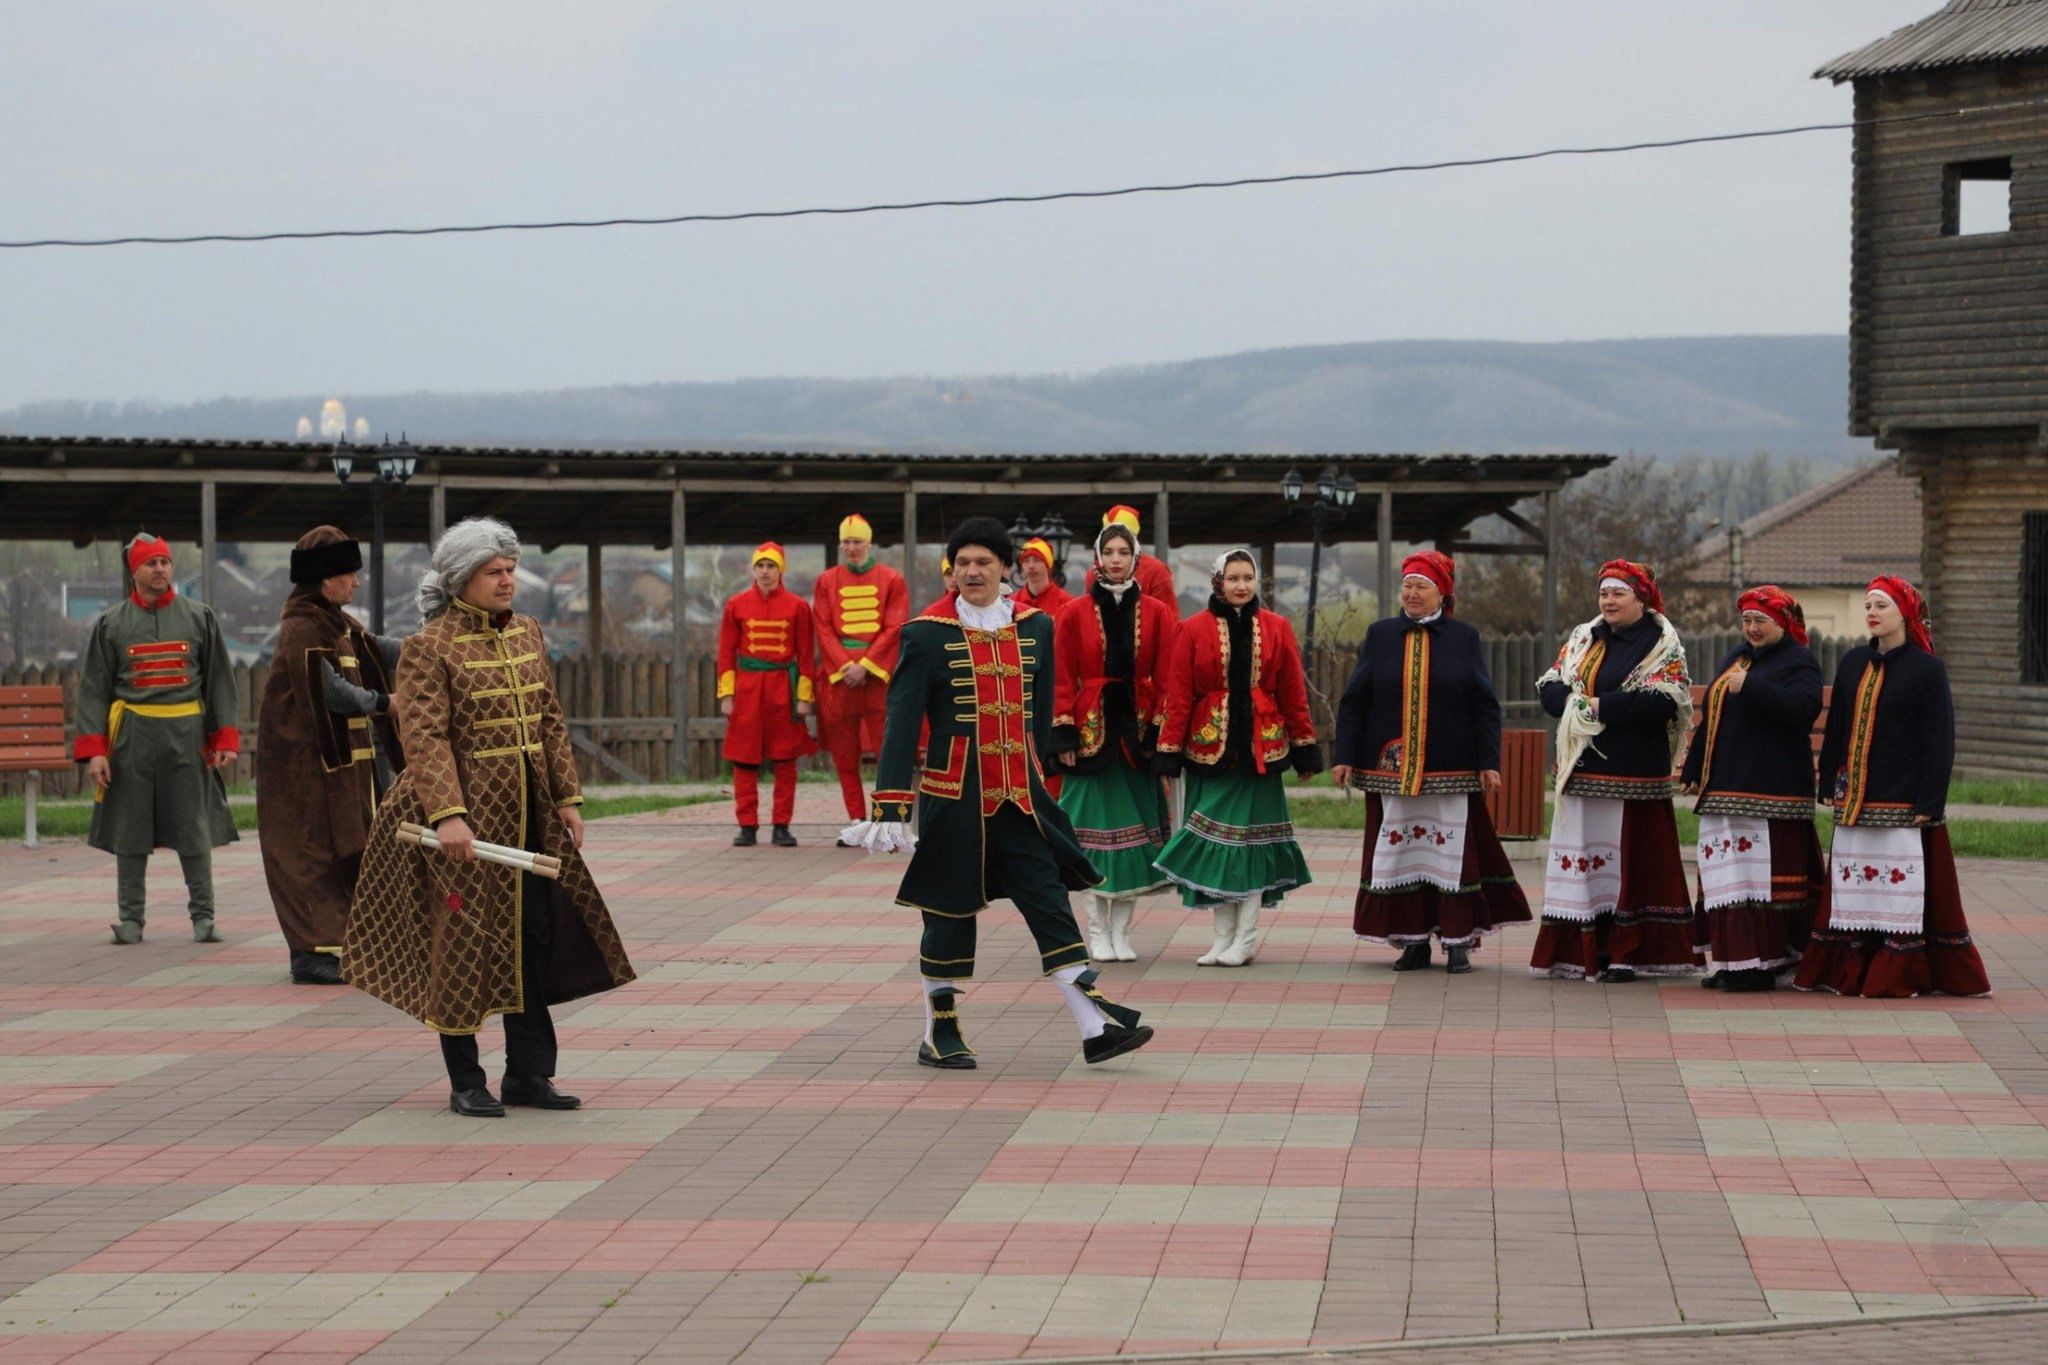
[(1017, 865), (530, 1052)]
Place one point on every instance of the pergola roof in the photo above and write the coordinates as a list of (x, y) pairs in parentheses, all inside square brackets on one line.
[(87, 488)]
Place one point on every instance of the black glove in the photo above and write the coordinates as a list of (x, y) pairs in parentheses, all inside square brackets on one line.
[(1167, 765), (1307, 759), (1066, 739)]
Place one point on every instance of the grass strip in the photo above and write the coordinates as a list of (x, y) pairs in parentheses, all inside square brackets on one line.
[(73, 819)]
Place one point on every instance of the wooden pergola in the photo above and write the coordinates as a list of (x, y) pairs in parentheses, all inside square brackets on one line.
[(83, 489)]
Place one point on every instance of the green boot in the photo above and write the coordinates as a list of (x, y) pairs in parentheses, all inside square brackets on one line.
[(198, 870), (130, 871)]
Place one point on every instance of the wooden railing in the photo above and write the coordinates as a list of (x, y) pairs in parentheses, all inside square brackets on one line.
[(627, 734)]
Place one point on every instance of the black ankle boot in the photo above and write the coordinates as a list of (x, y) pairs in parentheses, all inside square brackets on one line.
[(1114, 1041), (1413, 957), (782, 838), (748, 836), (946, 1048), (1457, 959)]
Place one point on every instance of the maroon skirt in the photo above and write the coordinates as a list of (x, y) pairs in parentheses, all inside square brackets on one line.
[(1939, 960), (1487, 897), (1751, 935), (1651, 929)]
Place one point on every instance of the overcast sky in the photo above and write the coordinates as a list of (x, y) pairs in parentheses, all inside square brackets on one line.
[(121, 117)]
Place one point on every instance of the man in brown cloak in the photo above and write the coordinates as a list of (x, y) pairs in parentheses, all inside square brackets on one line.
[(327, 700), (443, 936)]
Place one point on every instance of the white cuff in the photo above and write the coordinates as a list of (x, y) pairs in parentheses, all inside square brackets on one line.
[(884, 836)]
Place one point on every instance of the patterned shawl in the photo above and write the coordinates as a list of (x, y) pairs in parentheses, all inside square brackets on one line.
[(1661, 670)]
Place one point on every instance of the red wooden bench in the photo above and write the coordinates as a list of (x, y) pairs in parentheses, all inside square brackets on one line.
[(1517, 808), (32, 742)]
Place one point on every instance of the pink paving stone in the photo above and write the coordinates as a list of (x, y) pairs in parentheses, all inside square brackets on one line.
[(1856, 1104), (138, 1164)]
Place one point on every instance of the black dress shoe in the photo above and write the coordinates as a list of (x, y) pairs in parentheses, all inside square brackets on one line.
[(1414, 956), (476, 1104), (843, 842), (1618, 976), (1114, 1041), (1713, 981), (1755, 979), (747, 837), (782, 838), (957, 1061), (536, 1093), (1457, 960), (316, 969)]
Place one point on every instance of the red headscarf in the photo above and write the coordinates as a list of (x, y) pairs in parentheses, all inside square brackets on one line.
[(1911, 606), (1641, 579), (1774, 602), (1438, 568), (145, 549)]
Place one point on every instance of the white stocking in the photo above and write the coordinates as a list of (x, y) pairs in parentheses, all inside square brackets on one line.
[(1086, 1016)]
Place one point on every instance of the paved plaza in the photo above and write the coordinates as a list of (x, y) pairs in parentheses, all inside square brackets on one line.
[(202, 1162)]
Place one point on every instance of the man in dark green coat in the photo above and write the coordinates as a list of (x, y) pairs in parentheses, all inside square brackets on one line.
[(156, 719), (978, 670)]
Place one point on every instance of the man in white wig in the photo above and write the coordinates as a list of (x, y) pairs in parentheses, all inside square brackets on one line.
[(443, 936)]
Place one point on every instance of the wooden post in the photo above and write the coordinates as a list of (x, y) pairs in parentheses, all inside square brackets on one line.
[(1549, 640), (910, 545), (1550, 570), (209, 546), (679, 667), (1269, 573), (593, 636), (1162, 536), (1385, 606), (437, 514)]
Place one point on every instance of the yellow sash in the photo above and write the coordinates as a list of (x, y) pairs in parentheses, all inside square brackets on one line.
[(173, 710)]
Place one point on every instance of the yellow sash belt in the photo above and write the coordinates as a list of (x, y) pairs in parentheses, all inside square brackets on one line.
[(173, 710)]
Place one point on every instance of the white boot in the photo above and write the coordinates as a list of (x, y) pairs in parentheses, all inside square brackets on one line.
[(1226, 930), (1244, 946), (1099, 945), (1120, 911)]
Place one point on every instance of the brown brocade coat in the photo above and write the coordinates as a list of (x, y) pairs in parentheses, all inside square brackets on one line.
[(315, 772), (479, 721)]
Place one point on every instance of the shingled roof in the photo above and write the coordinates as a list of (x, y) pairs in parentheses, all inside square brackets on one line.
[(1964, 31), (1839, 534)]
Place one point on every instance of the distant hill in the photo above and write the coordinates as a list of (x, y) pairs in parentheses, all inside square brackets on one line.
[(1716, 396)]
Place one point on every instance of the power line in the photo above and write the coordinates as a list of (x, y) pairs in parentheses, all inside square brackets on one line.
[(908, 206)]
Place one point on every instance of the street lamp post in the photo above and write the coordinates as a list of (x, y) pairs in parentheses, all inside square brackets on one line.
[(394, 464), (1334, 493), (1054, 531)]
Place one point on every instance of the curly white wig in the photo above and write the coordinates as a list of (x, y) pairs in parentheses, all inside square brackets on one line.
[(462, 549)]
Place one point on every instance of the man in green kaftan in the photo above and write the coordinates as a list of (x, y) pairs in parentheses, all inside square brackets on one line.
[(156, 720)]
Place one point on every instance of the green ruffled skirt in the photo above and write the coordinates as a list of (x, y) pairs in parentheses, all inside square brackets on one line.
[(1237, 841), (1119, 817)]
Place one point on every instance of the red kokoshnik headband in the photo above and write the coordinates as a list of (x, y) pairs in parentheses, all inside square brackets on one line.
[(1641, 579), (1911, 605), (1438, 568), (1774, 602)]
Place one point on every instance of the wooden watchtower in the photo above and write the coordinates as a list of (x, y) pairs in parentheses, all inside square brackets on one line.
[(1948, 341)]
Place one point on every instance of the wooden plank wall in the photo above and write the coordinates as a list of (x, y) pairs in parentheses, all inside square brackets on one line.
[(1948, 331), (1972, 505)]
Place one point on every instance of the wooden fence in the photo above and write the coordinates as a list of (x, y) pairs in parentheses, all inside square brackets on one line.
[(628, 733)]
